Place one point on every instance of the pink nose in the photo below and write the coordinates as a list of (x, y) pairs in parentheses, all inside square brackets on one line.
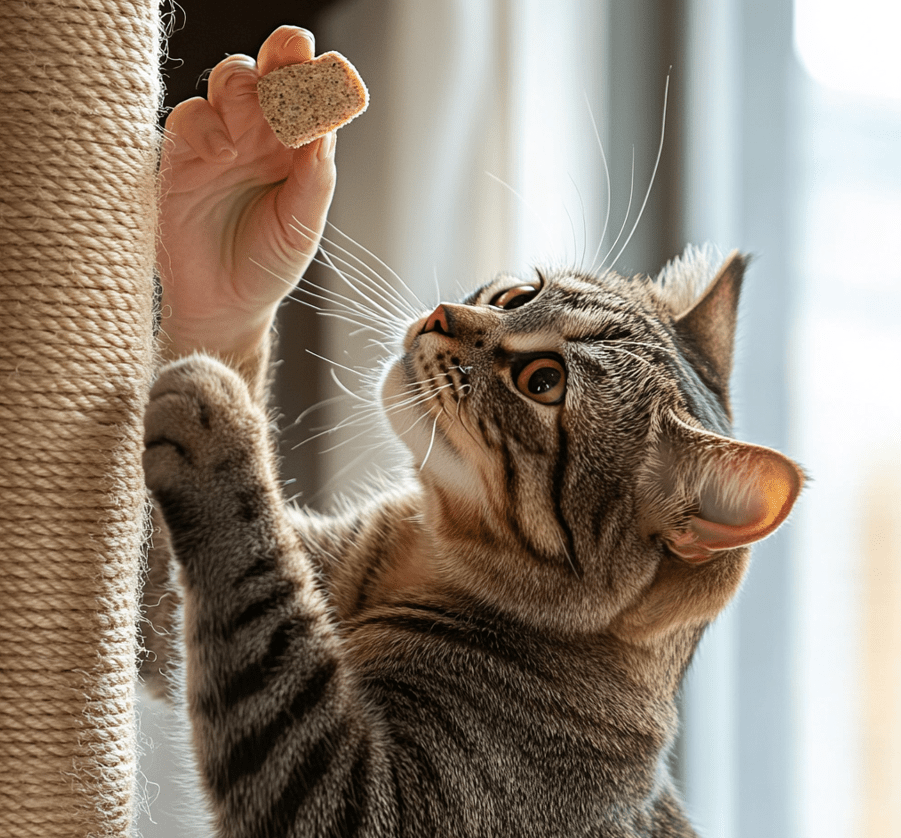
[(437, 321)]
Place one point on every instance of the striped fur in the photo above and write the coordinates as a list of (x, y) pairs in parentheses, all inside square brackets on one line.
[(494, 647)]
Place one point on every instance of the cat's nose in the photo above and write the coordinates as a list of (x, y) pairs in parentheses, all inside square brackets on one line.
[(438, 321)]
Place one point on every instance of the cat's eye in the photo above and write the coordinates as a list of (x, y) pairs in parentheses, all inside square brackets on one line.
[(514, 297), (543, 380)]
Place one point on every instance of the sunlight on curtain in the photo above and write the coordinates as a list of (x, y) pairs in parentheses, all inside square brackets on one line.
[(848, 413), (478, 154), (851, 47)]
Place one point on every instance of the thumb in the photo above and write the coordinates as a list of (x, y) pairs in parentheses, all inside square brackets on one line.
[(305, 197)]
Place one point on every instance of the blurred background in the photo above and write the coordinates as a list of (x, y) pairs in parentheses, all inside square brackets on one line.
[(486, 147)]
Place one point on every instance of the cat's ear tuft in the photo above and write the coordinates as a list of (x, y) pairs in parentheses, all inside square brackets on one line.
[(708, 326), (721, 493)]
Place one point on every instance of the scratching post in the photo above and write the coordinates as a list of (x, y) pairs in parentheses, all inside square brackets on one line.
[(78, 104)]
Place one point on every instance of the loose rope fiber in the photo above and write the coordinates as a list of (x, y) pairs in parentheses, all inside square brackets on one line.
[(79, 93)]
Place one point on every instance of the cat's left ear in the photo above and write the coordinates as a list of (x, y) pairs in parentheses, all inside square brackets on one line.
[(735, 493)]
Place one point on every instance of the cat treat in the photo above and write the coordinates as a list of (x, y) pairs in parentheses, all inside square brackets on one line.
[(302, 102)]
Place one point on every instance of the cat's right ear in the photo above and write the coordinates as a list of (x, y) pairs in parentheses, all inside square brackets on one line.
[(718, 493)]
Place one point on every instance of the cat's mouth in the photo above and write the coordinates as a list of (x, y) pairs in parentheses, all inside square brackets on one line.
[(424, 391)]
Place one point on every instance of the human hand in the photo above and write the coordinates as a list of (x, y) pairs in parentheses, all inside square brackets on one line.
[(230, 193)]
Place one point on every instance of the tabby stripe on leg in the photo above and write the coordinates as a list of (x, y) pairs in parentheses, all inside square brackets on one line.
[(264, 563), (247, 756), (275, 600), (314, 767), (256, 676), (208, 631)]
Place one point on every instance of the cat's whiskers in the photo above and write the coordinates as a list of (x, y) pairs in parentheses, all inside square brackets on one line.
[(314, 407), (581, 261), (605, 346), (363, 373), (393, 310), (431, 443), (401, 308), (597, 135), (388, 319), (366, 273), (412, 401), (292, 286), (653, 175), (347, 314), (337, 315), (387, 267), (369, 420), (372, 409), (595, 268), (375, 410), (647, 195)]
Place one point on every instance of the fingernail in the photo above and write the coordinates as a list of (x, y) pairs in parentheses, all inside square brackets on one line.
[(327, 146), (305, 34)]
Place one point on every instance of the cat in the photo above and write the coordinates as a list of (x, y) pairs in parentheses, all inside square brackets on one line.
[(493, 645)]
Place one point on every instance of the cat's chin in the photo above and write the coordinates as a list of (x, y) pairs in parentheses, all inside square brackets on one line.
[(418, 427), (410, 420)]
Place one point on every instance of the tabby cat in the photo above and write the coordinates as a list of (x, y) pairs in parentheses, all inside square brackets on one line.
[(493, 646)]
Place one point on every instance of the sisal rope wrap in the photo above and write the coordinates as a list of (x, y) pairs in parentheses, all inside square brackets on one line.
[(79, 93)]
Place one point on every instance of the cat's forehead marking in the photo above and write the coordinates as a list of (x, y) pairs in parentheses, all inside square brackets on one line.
[(543, 340)]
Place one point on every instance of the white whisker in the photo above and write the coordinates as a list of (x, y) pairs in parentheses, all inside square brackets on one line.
[(347, 319), (626, 218), (346, 389), (526, 204), (361, 373), (370, 279), (400, 306), (581, 261), (597, 135), (431, 443), (355, 306), (653, 174), (383, 264), (325, 312), (313, 408), (627, 352)]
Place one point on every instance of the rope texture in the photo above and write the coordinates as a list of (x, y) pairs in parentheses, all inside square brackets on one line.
[(78, 150)]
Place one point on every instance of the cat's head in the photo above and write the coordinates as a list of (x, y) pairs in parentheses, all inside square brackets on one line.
[(571, 436)]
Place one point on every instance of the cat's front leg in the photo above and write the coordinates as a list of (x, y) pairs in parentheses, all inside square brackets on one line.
[(282, 743), (209, 463)]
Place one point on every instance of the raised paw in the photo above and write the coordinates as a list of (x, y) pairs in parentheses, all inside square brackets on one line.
[(201, 430)]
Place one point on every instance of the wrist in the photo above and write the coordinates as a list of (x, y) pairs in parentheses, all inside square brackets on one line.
[(234, 338)]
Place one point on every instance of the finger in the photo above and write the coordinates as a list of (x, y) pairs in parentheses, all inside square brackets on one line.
[(304, 199), (232, 92), (287, 45), (195, 129)]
